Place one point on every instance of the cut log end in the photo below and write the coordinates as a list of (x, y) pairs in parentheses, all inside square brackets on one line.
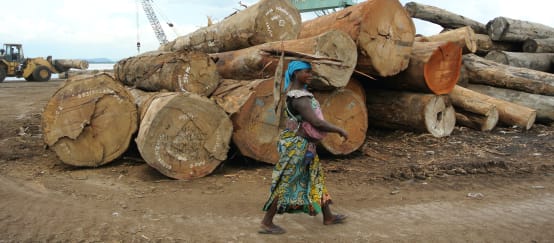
[(89, 121), (184, 136), (440, 118), (497, 27), (344, 108), (442, 70)]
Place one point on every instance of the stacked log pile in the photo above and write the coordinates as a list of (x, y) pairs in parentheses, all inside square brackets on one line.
[(219, 85)]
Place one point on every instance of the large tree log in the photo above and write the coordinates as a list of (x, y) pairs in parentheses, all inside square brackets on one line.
[(413, 111), (345, 109), (75, 73), (63, 65), (434, 68), (254, 63), (183, 135), (265, 21), (256, 126), (485, 44), (539, 45), (508, 113), (536, 61), (442, 17), (482, 71), (464, 37), (232, 94), (89, 120), (506, 29), (173, 71), (356, 86), (382, 30), (472, 110), (543, 104)]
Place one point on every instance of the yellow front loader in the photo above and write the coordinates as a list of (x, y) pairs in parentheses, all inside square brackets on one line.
[(14, 64)]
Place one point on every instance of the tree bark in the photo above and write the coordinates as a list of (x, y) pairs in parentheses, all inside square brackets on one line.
[(183, 135), (413, 111), (172, 71), (382, 30), (434, 68), (344, 108), (539, 45), (508, 113), (506, 29), (65, 64), (543, 104), (485, 44), (265, 21), (256, 126), (464, 37), (254, 63), (472, 110), (536, 61), (75, 73), (442, 17), (232, 94), (482, 71), (89, 120)]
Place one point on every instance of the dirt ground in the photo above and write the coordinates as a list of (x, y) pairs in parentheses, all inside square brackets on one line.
[(399, 187)]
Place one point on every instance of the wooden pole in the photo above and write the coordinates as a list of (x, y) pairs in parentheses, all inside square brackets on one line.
[(543, 104), (411, 111), (539, 45), (442, 17), (172, 71), (473, 111), (508, 113), (536, 61), (382, 30), (89, 121), (265, 21), (485, 44), (506, 29), (464, 37), (255, 63), (183, 135), (434, 68), (482, 71)]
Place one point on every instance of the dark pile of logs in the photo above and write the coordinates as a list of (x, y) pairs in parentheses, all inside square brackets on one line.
[(195, 95)]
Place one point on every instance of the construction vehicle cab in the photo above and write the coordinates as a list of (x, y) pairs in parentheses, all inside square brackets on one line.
[(14, 64)]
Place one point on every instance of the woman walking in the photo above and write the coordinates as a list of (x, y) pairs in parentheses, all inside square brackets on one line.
[(297, 180)]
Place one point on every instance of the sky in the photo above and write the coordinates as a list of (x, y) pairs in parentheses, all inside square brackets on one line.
[(109, 28)]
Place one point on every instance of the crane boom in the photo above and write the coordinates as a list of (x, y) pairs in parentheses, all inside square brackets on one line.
[(154, 22)]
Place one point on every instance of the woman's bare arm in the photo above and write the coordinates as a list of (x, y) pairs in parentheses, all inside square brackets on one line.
[(303, 106)]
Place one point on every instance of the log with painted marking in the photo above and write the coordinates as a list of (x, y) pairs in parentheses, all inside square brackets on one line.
[(89, 121), (265, 21), (183, 135), (171, 71)]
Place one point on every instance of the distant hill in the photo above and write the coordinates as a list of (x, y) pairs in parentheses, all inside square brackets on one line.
[(99, 60)]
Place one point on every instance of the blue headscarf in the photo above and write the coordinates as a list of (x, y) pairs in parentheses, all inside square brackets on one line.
[(294, 66)]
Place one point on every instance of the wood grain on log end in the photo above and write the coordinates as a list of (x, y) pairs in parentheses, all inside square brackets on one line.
[(89, 120), (183, 135), (343, 108), (442, 70)]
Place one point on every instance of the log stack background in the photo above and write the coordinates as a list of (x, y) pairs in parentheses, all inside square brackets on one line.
[(221, 84)]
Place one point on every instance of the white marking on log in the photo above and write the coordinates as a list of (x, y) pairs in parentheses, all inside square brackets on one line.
[(269, 29), (184, 79), (284, 11), (157, 148)]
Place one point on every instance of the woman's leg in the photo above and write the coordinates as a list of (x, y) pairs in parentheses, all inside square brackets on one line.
[(268, 227), (329, 217)]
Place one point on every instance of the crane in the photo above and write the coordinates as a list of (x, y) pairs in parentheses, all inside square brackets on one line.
[(154, 22)]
